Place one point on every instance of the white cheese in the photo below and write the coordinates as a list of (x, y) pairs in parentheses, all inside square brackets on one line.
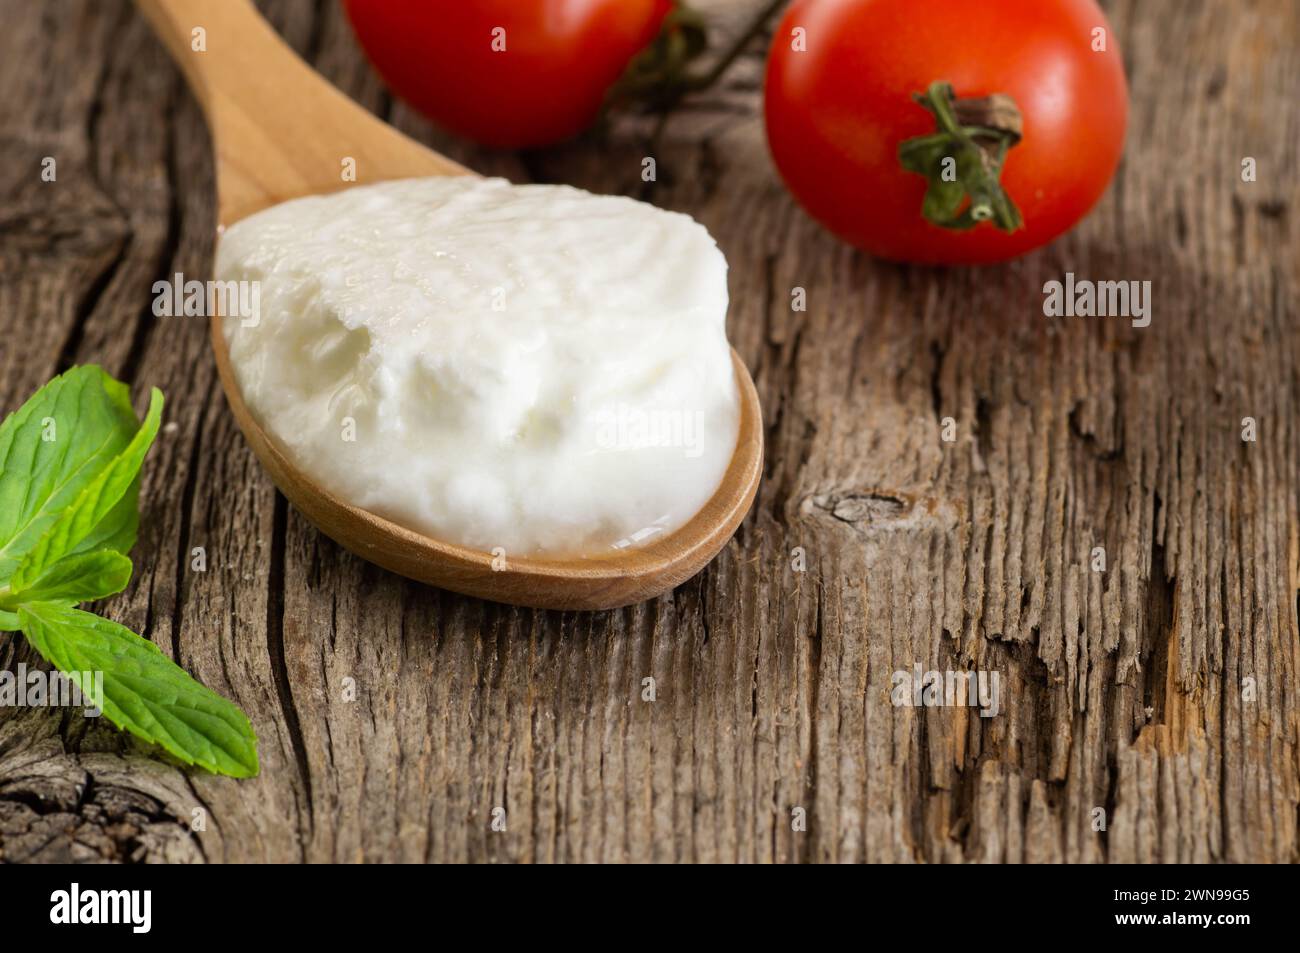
[(534, 369)]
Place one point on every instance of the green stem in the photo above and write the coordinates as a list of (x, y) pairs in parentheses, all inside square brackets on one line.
[(660, 77), (756, 26), (963, 160)]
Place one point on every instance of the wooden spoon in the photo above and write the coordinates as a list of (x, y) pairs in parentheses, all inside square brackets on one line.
[(279, 132)]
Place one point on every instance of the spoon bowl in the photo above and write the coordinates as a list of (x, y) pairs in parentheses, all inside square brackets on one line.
[(280, 132)]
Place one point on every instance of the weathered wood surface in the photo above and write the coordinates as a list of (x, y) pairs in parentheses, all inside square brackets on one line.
[(1122, 690)]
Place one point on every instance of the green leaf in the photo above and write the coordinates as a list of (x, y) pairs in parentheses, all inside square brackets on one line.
[(81, 577), (117, 530), (96, 501), (70, 461), (144, 691), (52, 448)]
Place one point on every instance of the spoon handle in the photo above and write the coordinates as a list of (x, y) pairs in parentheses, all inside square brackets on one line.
[(279, 130)]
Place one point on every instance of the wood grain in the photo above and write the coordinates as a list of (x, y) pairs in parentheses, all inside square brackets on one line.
[(1122, 690), (278, 132)]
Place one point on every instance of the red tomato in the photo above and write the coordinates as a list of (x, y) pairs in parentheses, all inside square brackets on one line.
[(837, 112), (505, 73)]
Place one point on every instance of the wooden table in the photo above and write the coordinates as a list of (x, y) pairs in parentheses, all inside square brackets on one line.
[(1161, 691)]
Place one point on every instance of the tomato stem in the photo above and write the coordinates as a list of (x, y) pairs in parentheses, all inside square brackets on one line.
[(661, 75), (756, 26), (963, 160)]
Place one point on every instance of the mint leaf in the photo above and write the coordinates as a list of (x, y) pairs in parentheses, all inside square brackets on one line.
[(51, 448), (97, 499), (70, 463), (117, 530), (81, 577), (144, 691)]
